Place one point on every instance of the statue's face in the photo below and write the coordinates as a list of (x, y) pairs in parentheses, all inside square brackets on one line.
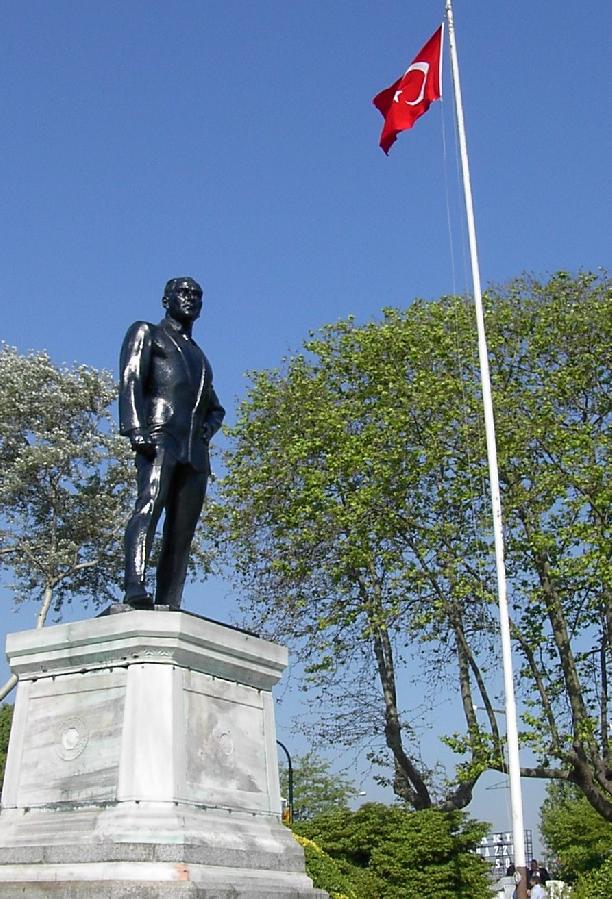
[(185, 302)]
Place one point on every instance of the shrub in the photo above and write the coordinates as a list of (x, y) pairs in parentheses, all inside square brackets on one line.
[(596, 884), (324, 871), (401, 854)]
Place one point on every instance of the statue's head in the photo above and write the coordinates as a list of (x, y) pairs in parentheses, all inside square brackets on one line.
[(183, 299)]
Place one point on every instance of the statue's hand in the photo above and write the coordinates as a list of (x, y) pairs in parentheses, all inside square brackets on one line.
[(142, 442), (206, 433)]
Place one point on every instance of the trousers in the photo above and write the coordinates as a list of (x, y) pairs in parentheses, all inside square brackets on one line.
[(177, 489)]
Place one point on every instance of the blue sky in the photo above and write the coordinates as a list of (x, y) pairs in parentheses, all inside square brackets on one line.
[(236, 142)]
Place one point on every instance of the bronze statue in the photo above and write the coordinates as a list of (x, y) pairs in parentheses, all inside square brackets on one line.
[(169, 410)]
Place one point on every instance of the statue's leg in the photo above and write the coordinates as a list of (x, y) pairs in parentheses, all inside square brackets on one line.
[(153, 479), (183, 508)]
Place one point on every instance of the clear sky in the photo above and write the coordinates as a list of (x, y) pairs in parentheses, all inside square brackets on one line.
[(236, 142)]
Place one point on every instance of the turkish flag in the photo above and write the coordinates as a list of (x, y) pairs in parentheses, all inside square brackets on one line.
[(412, 94)]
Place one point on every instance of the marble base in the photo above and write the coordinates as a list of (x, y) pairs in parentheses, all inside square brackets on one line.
[(130, 881), (143, 757)]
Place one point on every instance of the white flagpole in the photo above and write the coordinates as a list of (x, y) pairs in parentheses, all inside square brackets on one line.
[(514, 767)]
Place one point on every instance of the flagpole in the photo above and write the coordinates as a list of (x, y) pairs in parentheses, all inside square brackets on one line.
[(514, 768)]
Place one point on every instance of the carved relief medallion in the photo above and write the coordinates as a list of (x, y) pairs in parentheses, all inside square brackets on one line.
[(73, 738)]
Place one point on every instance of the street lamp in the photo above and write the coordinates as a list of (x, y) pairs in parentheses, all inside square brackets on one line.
[(290, 780)]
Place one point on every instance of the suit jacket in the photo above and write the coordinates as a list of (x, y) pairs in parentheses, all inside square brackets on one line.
[(166, 388)]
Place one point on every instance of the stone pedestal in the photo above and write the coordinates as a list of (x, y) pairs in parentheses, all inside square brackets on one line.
[(142, 763)]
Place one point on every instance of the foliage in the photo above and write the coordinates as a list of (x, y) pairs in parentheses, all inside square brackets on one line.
[(577, 836), (325, 873), (554, 443), (406, 855), (65, 482), (596, 884), (6, 719), (316, 788), (359, 526)]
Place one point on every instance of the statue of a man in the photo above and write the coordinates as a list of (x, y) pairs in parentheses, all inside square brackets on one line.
[(169, 410)]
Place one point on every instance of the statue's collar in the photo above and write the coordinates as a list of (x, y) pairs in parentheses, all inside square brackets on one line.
[(176, 327)]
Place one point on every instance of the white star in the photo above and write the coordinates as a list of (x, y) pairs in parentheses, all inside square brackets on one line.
[(397, 96)]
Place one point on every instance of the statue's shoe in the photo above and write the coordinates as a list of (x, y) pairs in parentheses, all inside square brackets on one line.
[(137, 597)]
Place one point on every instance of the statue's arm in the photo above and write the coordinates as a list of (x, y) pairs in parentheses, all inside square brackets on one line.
[(134, 368), (214, 416)]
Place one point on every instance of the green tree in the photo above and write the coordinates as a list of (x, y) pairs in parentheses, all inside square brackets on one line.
[(358, 523), (65, 482), (576, 835), (316, 788), (425, 855), (6, 719)]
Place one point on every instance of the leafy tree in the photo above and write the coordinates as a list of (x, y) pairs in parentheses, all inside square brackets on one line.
[(64, 482), (358, 522), (6, 719), (316, 788), (578, 837), (554, 439), (425, 855)]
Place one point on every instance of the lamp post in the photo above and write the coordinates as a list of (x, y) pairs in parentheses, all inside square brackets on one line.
[(290, 780)]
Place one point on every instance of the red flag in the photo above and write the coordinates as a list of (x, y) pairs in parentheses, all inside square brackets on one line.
[(412, 94)]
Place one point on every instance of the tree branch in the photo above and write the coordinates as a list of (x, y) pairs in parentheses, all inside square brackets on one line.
[(603, 702), (408, 781), (535, 672)]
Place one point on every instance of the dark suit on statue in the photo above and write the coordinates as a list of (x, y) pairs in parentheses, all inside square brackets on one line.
[(166, 391)]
